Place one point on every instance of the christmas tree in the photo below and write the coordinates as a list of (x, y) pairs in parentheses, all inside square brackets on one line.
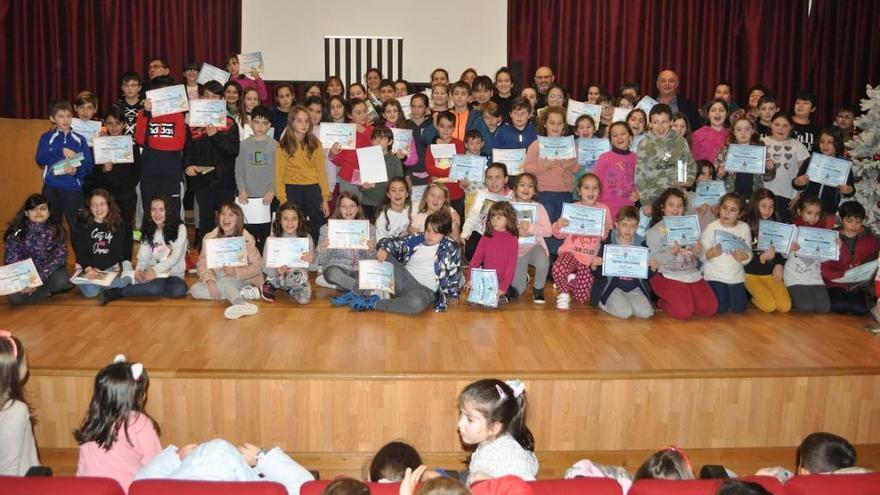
[(864, 151)]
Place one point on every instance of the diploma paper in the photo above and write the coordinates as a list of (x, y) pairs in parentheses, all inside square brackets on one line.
[(104, 279), (405, 105), (348, 234), (858, 274), (417, 193), (620, 114), (588, 151), (371, 163), (286, 251), (225, 251), (512, 158), (86, 128), (18, 276), (484, 288), (578, 108), (471, 168), (556, 148), (775, 234), (203, 113), (114, 149), (746, 158), (527, 212), (818, 243), (402, 138), (709, 192), (331, 133), (828, 170), (248, 63), (646, 104), (681, 172), (730, 243), (168, 100), (685, 230), (583, 220), (74, 161), (210, 73), (376, 275), (255, 212), (625, 261)]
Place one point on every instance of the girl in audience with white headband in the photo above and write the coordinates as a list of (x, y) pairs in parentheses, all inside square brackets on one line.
[(19, 450)]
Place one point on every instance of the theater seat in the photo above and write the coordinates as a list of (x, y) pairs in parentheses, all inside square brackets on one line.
[(834, 484), (577, 486), (63, 485), (699, 487), (188, 487)]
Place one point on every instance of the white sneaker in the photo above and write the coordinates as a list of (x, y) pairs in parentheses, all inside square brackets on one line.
[(251, 293), (127, 271), (236, 311), (571, 276), (563, 300), (322, 282)]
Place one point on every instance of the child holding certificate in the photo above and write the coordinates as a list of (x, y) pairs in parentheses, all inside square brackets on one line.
[(372, 193), (438, 168), (37, 233), (637, 120), (235, 284), (340, 266), (252, 80), (765, 270), (677, 282), (498, 249), (742, 131), (616, 169), (393, 213), (495, 182), (392, 113), (623, 297), (290, 222), (663, 158), (787, 154), (577, 251), (724, 269), (347, 160), (422, 124), (707, 140), (160, 260), (98, 241), (435, 199), (803, 274), (858, 246), (255, 171), (16, 429), (830, 144), (534, 253)]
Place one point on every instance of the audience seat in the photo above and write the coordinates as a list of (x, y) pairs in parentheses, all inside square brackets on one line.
[(834, 484), (577, 486), (63, 485), (699, 487), (189, 487)]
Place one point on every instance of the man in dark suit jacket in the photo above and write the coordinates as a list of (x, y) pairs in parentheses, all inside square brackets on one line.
[(667, 87)]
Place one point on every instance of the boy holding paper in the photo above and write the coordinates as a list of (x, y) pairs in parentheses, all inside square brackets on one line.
[(857, 246), (660, 156), (63, 188), (255, 170), (372, 194)]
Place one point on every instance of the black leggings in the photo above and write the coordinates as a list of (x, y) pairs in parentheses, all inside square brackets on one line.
[(58, 281)]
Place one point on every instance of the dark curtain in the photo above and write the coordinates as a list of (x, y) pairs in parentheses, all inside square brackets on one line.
[(834, 51), (54, 49)]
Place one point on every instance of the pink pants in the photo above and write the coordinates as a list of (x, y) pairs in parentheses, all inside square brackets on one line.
[(580, 287)]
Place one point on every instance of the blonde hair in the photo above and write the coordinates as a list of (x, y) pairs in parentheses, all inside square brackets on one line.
[(423, 204)]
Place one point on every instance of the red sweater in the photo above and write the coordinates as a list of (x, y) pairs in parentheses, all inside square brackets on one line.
[(165, 133), (436, 172), (497, 253), (864, 250), (347, 160)]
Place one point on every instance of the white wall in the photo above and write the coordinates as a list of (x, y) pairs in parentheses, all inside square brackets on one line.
[(454, 34)]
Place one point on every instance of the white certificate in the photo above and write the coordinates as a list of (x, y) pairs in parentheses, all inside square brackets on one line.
[(620, 114), (248, 63), (225, 251), (18, 276), (104, 278), (330, 133), (75, 161), (442, 151), (681, 171), (89, 129), (556, 148), (402, 138), (588, 151), (818, 243), (484, 288), (828, 170), (583, 220), (709, 192), (471, 168), (376, 275), (348, 234), (203, 113), (684, 230), (114, 149), (578, 108), (746, 158), (417, 193), (286, 251), (730, 242), (775, 234), (255, 212), (512, 158), (405, 105), (371, 163), (168, 100), (858, 274), (625, 261), (646, 104), (210, 73), (526, 212)]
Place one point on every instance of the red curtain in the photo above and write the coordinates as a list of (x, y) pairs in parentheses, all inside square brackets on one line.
[(53, 49), (834, 51)]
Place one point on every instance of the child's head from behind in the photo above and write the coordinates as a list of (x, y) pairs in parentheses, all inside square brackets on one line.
[(736, 487), (13, 368), (823, 453), (501, 216), (61, 114), (443, 486), (489, 408), (852, 216), (346, 486), (390, 462), (348, 207), (290, 221), (669, 463)]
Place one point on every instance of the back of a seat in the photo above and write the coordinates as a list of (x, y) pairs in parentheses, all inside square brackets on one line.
[(834, 484), (699, 487), (62, 485), (576, 486), (188, 487)]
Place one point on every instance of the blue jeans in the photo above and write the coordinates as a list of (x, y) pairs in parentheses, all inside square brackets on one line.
[(93, 290), (731, 297)]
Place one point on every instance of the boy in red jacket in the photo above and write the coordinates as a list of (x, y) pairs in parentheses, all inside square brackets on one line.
[(857, 246)]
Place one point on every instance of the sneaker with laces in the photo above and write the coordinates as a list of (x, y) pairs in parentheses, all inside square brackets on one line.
[(344, 299), (320, 281), (251, 293), (538, 296), (268, 292), (236, 311), (364, 303), (563, 301)]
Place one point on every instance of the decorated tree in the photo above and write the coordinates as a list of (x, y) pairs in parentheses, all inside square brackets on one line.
[(864, 151)]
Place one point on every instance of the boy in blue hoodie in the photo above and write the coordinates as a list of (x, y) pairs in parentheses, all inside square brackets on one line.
[(66, 160)]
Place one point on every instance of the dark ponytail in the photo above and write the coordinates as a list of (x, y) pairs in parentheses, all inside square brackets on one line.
[(499, 402)]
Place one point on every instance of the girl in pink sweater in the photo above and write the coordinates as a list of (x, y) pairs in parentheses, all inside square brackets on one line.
[(708, 140), (616, 169), (498, 248), (532, 248)]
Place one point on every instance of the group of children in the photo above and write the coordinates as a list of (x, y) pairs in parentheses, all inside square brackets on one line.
[(118, 439)]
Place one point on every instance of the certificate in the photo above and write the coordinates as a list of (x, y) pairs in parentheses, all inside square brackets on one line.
[(104, 278), (371, 163), (512, 158), (685, 230), (681, 171), (709, 192), (583, 220), (625, 261), (286, 251), (620, 114), (526, 212), (578, 108), (556, 148), (114, 149), (416, 195), (330, 133), (255, 212), (588, 151), (646, 104), (442, 150), (18, 276), (75, 161), (484, 288), (225, 251), (86, 128), (210, 73), (775, 234), (402, 138), (203, 113), (248, 63), (730, 243), (406, 105), (818, 243), (746, 158), (348, 234), (858, 274), (168, 100), (471, 168), (828, 170), (376, 275)]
